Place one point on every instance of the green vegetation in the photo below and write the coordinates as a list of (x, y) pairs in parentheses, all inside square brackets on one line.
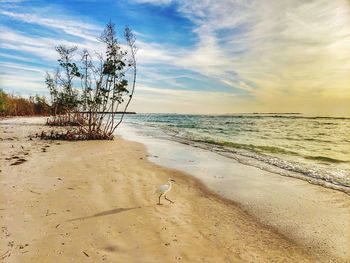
[(16, 106), (89, 92)]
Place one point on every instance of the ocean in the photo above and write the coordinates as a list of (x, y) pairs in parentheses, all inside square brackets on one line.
[(316, 149)]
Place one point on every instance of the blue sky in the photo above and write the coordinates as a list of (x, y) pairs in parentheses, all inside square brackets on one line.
[(195, 56)]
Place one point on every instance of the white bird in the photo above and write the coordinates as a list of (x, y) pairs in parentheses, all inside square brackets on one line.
[(164, 189)]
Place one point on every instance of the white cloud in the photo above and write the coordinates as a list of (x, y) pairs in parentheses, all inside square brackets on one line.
[(11, 1), (293, 47), (284, 53), (28, 85), (15, 57), (151, 99), (42, 47), (69, 26), (28, 79), (279, 52), (20, 67), (154, 2), (156, 53)]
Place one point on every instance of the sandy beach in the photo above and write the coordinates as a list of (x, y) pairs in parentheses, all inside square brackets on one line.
[(312, 216), (233, 114), (94, 202)]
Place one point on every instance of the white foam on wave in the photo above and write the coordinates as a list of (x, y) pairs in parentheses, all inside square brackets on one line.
[(306, 213), (334, 178)]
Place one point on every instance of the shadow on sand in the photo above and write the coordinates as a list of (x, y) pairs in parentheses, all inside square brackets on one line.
[(105, 213)]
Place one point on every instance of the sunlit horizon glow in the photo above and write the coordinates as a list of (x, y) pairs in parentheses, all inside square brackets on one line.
[(212, 57)]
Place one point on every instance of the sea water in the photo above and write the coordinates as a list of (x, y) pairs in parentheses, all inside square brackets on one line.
[(316, 149)]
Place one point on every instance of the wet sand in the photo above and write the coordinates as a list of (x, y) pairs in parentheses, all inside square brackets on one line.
[(94, 202), (313, 216)]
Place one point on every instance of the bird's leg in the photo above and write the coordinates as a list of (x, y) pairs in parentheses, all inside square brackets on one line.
[(159, 199), (168, 199)]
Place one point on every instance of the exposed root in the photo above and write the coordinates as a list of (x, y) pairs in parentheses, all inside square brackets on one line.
[(75, 135), (66, 120)]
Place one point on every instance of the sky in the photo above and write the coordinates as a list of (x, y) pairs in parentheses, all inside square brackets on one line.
[(195, 56)]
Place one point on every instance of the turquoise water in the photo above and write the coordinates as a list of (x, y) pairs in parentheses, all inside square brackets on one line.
[(317, 147)]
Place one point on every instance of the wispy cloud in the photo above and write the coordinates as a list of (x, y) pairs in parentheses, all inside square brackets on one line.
[(15, 57), (20, 67), (273, 50), (69, 26), (43, 47), (22, 79), (272, 55), (160, 99), (11, 1), (154, 2)]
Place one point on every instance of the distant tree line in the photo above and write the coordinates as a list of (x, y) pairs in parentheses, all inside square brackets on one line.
[(11, 105)]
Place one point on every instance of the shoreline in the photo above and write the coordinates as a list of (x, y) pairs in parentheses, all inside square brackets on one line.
[(284, 167), (107, 188), (309, 214)]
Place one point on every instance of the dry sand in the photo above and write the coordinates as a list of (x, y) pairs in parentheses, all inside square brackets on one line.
[(94, 202)]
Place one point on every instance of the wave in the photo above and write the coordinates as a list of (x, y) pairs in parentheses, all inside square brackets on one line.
[(256, 148), (327, 164), (269, 149), (338, 180), (325, 159)]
